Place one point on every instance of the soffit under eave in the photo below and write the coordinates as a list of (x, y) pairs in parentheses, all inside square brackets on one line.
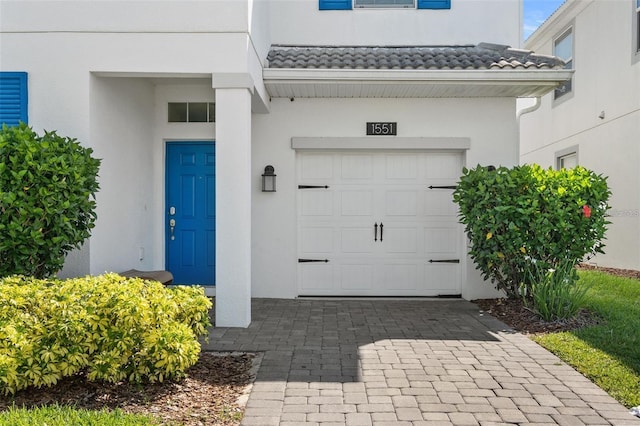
[(461, 84)]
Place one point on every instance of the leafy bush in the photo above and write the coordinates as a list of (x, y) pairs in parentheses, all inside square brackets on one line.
[(554, 294), (110, 327), (47, 185), (512, 216)]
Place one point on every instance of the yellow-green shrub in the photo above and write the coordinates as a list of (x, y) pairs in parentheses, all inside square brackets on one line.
[(110, 327)]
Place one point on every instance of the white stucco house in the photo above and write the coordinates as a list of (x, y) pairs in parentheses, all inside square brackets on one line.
[(366, 111), (594, 118)]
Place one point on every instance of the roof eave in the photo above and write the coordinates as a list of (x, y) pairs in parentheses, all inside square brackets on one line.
[(283, 82)]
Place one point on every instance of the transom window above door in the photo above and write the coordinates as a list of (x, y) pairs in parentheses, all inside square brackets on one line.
[(191, 112)]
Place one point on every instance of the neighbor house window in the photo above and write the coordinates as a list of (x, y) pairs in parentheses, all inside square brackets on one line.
[(567, 158), (637, 25), (563, 49), (13, 98), (191, 112), (360, 4)]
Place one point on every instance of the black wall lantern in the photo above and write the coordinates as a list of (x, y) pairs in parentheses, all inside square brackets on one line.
[(269, 180)]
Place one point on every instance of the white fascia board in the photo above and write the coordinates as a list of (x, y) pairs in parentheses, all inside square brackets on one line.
[(493, 76)]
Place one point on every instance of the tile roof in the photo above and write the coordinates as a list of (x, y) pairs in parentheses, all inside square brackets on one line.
[(469, 57)]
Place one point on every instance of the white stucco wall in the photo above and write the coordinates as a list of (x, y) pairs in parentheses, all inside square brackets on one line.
[(122, 112), (467, 22), (606, 81), (489, 123), (189, 16)]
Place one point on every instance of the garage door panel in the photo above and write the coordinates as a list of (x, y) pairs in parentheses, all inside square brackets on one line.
[(444, 278), (356, 203), (317, 240), (316, 203), (316, 167), (400, 277), (401, 202), (356, 276), (315, 278), (441, 241), (443, 166), (356, 240), (439, 202), (400, 240), (404, 167), (358, 167)]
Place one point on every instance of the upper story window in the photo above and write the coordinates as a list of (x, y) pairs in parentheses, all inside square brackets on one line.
[(563, 49), (384, 3), (13, 98), (402, 4)]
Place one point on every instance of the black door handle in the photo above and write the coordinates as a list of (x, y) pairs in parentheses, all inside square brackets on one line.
[(375, 228), (381, 229)]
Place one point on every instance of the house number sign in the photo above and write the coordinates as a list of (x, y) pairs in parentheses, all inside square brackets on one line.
[(382, 129)]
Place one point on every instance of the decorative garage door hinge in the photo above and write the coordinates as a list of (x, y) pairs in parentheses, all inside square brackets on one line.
[(312, 260), (444, 261), (313, 186), (443, 187)]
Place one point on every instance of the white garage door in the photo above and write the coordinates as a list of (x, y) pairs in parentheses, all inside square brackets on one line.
[(378, 224)]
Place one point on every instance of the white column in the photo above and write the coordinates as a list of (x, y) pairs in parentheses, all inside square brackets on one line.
[(233, 206)]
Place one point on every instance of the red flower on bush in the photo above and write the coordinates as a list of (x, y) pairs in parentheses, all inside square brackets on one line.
[(586, 210)]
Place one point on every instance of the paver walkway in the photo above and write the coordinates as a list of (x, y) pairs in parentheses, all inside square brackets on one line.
[(406, 362)]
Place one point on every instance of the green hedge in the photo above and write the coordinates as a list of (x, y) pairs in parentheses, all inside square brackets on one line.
[(47, 189), (527, 214), (109, 327)]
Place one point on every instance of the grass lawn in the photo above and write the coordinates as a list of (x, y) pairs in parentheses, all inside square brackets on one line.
[(608, 354), (55, 415)]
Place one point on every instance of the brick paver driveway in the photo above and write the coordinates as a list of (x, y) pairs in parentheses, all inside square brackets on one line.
[(406, 362)]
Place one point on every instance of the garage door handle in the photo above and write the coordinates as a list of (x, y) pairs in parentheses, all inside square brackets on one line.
[(313, 186), (445, 261), (381, 229), (312, 260), (375, 229)]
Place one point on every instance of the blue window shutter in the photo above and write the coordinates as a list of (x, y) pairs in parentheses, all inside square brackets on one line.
[(335, 4), (13, 98), (434, 4)]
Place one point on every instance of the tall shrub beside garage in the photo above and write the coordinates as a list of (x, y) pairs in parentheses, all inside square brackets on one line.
[(47, 200), (527, 219)]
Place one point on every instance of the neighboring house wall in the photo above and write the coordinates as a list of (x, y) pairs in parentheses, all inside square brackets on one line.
[(600, 118)]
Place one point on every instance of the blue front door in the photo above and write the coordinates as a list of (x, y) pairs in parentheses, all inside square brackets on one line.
[(191, 212)]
